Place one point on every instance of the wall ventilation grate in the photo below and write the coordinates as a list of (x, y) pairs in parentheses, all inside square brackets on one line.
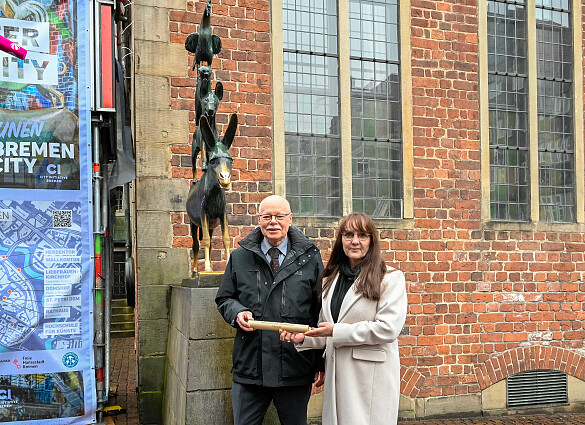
[(536, 388)]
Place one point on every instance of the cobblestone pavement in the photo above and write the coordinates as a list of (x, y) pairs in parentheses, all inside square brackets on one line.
[(123, 381), (123, 394), (507, 420)]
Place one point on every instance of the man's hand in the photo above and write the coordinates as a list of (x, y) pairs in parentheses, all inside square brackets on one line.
[(242, 320), (318, 383), (319, 379)]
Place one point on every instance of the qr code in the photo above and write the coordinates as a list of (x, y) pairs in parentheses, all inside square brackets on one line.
[(62, 218)]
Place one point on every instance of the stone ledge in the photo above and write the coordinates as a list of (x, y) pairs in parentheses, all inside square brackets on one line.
[(466, 405), (204, 280)]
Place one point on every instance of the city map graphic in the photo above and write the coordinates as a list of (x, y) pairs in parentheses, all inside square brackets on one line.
[(40, 275)]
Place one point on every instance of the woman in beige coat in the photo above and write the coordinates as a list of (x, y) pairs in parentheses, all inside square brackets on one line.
[(363, 311)]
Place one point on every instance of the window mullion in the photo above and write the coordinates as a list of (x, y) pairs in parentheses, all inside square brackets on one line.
[(484, 112), (406, 88), (531, 56), (345, 105), (277, 58), (578, 111)]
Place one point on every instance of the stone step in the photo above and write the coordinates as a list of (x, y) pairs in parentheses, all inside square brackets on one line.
[(119, 303), (122, 310), (122, 326), (122, 334), (127, 317)]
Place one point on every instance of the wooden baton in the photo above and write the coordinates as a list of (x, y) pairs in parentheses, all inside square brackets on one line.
[(275, 326)]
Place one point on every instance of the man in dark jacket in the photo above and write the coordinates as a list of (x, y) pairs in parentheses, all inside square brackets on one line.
[(272, 277)]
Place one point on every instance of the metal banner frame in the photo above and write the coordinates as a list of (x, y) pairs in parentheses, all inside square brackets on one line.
[(47, 367)]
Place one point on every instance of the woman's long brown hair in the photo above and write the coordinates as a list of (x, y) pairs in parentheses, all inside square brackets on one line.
[(373, 267)]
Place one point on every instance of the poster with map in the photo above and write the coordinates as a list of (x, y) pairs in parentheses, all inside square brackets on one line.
[(47, 373)]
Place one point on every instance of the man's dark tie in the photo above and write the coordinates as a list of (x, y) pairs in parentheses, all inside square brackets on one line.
[(274, 263)]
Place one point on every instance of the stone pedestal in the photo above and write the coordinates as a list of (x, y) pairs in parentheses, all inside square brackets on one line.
[(197, 378)]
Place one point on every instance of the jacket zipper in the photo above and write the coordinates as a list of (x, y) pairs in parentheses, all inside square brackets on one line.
[(259, 287), (282, 302)]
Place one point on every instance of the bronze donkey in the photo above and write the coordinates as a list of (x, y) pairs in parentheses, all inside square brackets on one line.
[(206, 200)]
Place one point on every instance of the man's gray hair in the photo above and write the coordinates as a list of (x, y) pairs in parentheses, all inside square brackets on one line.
[(274, 197)]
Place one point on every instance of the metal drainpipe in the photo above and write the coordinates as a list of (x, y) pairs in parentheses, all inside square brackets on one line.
[(128, 229), (98, 284), (107, 267)]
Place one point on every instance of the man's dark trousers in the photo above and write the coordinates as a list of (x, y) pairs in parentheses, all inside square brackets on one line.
[(250, 403)]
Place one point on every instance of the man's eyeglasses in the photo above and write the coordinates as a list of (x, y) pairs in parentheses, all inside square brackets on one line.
[(268, 217), (348, 236)]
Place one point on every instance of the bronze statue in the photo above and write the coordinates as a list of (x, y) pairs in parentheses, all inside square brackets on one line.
[(206, 201), (206, 104), (204, 44)]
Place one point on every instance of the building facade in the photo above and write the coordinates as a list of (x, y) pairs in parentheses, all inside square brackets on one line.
[(457, 125)]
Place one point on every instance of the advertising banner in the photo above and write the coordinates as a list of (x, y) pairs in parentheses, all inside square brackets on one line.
[(47, 371)]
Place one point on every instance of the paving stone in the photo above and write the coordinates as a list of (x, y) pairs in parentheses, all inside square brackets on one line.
[(506, 420)]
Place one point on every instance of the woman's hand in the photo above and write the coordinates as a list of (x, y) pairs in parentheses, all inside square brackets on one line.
[(324, 329), (295, 338)]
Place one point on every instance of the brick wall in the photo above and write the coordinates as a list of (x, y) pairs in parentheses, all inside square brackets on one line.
[(484, 303), (441, 256)]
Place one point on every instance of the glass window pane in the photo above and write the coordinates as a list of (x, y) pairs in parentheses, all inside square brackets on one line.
[(556, 155), (373, 174), (376, 108), (315, 26), (314, 178), (508, 129), (311, 90)]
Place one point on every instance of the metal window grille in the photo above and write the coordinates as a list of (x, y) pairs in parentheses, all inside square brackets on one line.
[(119, 199), (536, 388), (119, 282)]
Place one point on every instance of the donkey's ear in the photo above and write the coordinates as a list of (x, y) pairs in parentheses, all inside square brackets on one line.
[(219, 90), (228, 137), (206, 132)]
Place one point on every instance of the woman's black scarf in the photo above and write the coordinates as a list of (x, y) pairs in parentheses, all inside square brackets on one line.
[(347, 275), (346, 271)]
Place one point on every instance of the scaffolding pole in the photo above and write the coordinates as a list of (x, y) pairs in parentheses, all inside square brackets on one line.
[(98, 231), (107, 267)]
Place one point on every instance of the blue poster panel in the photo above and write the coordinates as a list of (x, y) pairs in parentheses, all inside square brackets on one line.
[(47, 373)]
